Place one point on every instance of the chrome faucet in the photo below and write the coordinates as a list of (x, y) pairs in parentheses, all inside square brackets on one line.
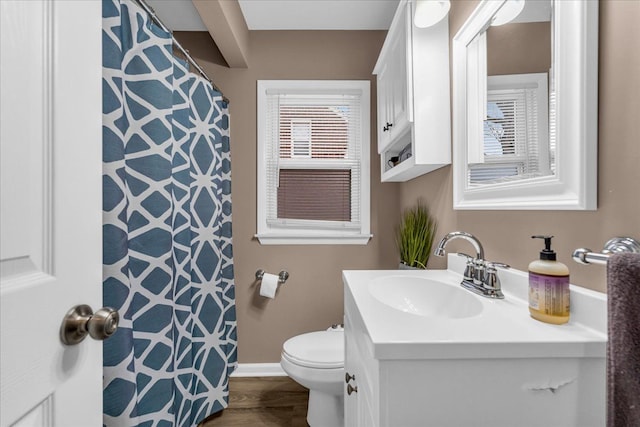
[(460, 235), (480, 276)]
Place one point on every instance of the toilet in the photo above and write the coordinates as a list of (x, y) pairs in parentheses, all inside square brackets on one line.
[(315, 360)]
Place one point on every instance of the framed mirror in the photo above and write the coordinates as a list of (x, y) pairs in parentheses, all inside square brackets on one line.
[(525, 103)]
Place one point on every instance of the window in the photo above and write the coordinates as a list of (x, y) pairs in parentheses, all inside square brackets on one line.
[(300, 137), (313, 162), (516, 131)]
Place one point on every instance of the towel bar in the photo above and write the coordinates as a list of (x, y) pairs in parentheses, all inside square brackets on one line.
[(615, 245)]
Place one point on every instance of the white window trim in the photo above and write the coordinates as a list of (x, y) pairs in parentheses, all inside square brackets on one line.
[(268, 235)]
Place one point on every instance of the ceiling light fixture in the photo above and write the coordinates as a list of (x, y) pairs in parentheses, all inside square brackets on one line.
[(430, 12), (508, 12)]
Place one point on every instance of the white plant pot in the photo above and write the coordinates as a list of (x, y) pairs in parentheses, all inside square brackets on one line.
[(402, 266)]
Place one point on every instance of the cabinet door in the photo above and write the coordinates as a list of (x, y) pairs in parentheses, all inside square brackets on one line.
[(350, 368), (385, 107), (393, 81), (358, 406), (398, 76)]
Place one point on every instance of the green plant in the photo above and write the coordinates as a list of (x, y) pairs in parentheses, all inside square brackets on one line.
[(415, 234)]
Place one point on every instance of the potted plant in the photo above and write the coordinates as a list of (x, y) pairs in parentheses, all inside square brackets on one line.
[(414, 236)]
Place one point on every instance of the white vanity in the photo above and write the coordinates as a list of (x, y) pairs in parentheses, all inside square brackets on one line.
[(422, 351)]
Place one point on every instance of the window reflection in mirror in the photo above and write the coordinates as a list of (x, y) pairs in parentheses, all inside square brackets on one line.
[(519, 126)]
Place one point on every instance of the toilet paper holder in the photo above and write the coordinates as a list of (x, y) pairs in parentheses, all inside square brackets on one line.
[(282, 276)]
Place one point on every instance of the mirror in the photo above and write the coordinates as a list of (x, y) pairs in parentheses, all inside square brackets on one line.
[(525, 106)]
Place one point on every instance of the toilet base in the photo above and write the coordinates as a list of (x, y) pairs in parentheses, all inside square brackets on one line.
[(325, 410)]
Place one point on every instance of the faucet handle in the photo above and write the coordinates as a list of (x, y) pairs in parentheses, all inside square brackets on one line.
[(492, 265), (491, 280), (492, 283), (478, 271), (469, 270)]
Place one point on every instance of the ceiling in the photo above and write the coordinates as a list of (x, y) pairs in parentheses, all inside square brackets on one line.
[(318, 14), (181, 15)]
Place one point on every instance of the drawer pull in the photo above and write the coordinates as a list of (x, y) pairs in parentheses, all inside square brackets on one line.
[(351, 389), (348, 377)]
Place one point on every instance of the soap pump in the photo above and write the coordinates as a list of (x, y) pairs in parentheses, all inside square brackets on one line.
[(548, 286)]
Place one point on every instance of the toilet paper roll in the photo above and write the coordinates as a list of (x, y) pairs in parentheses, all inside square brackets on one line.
[(269, 285)]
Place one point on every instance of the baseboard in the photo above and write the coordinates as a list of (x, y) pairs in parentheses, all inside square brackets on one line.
[(259, 370)]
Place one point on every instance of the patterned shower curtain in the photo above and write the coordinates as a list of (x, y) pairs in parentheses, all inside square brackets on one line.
[(167, 249)]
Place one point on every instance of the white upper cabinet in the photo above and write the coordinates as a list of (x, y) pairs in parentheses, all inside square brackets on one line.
[(414, 132)]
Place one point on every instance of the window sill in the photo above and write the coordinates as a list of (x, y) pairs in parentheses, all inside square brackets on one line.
[(306, 239)]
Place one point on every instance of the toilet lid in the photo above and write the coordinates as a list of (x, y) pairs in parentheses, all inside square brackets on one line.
[(323, 349)]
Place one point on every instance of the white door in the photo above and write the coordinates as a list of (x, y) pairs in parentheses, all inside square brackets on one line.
[(50, 219)]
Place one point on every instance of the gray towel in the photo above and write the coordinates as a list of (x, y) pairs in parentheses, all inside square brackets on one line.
[(623, 350)]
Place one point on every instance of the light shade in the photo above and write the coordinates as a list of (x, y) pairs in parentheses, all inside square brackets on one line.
[(430, 12), (508, 12)]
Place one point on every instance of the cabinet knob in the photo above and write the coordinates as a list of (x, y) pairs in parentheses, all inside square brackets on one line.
[(351, 389), (348, 377)]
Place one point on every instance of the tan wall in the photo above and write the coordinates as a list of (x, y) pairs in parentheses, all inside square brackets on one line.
[(506, 234), (519, 48), (312, 297)]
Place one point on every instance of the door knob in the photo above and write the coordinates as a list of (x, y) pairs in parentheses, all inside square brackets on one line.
[(81, 321)]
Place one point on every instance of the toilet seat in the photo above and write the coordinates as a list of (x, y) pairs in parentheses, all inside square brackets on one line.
[(320, 350)]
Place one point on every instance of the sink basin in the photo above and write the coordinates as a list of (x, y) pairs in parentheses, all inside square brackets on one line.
[(425, 297)]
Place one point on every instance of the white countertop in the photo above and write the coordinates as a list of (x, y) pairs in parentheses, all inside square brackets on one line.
[(504, 328)]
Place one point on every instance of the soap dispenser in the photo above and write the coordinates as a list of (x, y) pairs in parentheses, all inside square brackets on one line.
[(548, 286)]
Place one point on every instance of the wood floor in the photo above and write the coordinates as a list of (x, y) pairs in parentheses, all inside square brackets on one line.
[(263, 402)]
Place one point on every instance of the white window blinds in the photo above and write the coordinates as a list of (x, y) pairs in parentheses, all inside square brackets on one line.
[(313, 160), (516, 136)]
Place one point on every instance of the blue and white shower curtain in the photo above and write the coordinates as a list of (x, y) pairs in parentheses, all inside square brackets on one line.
[(168, 258)]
